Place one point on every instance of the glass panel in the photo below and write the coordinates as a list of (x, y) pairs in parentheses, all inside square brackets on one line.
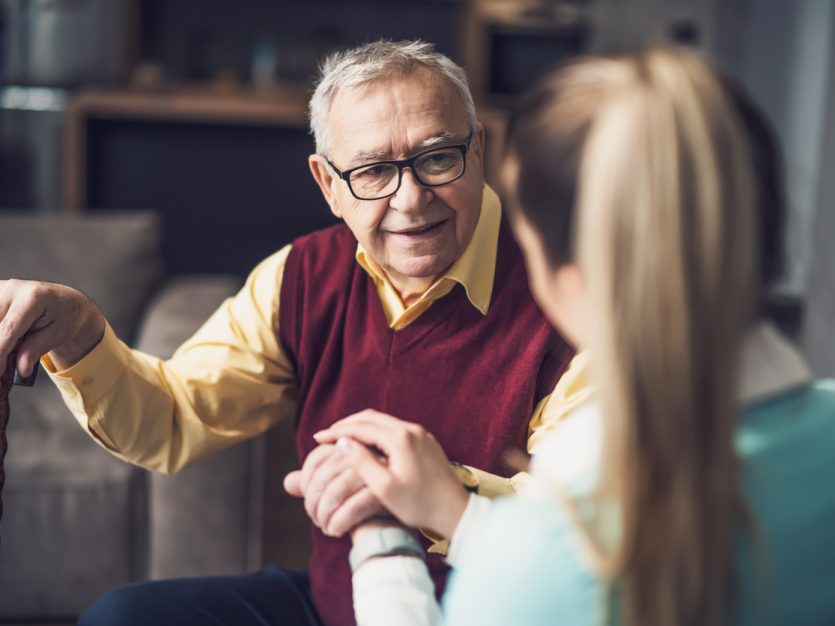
[(374, 180), (440, 165)]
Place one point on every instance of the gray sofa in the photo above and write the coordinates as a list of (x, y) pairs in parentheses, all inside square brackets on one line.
[(77, 521)]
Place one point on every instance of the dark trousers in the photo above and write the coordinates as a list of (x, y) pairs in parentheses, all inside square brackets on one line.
[(272, 597)]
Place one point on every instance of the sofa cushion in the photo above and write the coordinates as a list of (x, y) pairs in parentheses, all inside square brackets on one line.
[(75, 519), (114, 258)]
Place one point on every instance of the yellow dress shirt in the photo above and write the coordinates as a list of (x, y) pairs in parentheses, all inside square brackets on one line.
[(232, 381)]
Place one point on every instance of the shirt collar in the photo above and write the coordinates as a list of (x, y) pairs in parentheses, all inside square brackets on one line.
[(475, 269)]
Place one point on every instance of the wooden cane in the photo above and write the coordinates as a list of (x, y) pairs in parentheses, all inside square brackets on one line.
[(10, 377)]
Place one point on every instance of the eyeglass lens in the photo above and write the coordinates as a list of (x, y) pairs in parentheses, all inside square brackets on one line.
[(436, 167)]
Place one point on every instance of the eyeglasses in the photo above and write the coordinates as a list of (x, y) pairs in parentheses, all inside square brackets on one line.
[(432, 168)]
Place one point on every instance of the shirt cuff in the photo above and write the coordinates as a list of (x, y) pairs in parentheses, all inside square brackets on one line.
[(492, 486), (469, 526), (94, 375), (88, 381)]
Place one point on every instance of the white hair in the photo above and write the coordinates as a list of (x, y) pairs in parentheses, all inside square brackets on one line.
[(375, 61)]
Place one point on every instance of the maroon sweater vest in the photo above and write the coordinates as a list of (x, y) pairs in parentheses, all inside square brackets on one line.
[(472, 380)]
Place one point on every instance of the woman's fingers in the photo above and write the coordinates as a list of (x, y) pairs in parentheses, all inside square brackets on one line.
[(370, 468), (367, 432), (391, 436), (412, 479), (418, 488), (370, 416)]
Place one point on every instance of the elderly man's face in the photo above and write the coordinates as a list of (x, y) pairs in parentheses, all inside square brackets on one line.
[(418, 232)]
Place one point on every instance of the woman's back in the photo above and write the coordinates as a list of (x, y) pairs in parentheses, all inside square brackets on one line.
[(644, 190), (530, 565)]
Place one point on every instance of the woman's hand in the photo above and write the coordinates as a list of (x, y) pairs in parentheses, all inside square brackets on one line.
[(412, 478)]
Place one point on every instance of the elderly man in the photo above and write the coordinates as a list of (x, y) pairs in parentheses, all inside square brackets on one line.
[(417, 306)]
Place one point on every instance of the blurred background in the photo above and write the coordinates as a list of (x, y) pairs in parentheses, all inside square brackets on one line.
[(196, 108)]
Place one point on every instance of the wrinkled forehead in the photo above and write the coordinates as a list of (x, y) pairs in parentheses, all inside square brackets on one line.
[(394, 116), (418, 80)]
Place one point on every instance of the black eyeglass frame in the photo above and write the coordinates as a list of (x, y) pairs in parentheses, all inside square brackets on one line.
[(403, 163)]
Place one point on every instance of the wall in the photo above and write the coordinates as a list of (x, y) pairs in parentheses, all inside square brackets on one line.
[(199, 39), (819, 334), (782, 53), (629, 23)]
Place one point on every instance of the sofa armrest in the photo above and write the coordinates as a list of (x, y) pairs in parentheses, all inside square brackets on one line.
[(204, 520), (180, 308)]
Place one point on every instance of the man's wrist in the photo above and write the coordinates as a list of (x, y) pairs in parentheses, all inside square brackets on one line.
[(87, 338)]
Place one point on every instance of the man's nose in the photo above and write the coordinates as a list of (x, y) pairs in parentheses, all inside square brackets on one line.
[(412, 196)]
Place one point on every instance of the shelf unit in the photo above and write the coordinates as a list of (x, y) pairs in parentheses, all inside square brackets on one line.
[(278, 108)]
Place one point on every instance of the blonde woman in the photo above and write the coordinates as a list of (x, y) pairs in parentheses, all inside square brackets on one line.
[(696, 489)]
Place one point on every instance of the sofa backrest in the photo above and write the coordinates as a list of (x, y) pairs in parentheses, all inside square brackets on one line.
[(115, 258)]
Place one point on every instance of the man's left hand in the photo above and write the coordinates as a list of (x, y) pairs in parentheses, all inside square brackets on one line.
[(335, 497)]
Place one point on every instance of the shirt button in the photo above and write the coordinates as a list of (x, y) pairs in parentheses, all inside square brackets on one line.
[(87, 381)]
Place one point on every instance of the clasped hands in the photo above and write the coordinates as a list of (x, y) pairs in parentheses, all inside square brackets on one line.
[(371, 465)]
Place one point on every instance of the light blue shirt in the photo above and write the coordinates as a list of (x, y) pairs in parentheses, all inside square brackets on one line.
[(527, 566), (521, 560)]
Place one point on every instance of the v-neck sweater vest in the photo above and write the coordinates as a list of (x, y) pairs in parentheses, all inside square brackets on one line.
[(472, 380)]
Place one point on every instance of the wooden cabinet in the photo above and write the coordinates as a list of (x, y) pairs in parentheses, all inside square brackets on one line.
[(226, 170)]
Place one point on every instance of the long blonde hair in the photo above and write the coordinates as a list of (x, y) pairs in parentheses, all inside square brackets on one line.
[(656, 167)]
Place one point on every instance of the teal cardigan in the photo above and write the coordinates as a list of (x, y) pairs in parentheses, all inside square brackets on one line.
[(527, 567)]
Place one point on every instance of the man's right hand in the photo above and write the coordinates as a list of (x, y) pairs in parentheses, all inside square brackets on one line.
[(50, 318)]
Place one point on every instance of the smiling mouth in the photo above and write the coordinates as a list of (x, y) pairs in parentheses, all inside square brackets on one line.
[(420, 230)]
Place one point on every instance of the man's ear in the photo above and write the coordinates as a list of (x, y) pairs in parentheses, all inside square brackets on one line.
[(326, 179), (478, 141), (477, 145)]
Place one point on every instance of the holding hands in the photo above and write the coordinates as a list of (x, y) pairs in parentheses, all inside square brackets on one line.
[(335, 496), (410, 475)]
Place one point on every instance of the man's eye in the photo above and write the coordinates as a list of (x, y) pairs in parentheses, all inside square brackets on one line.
[(437, 162), (374, 171)]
